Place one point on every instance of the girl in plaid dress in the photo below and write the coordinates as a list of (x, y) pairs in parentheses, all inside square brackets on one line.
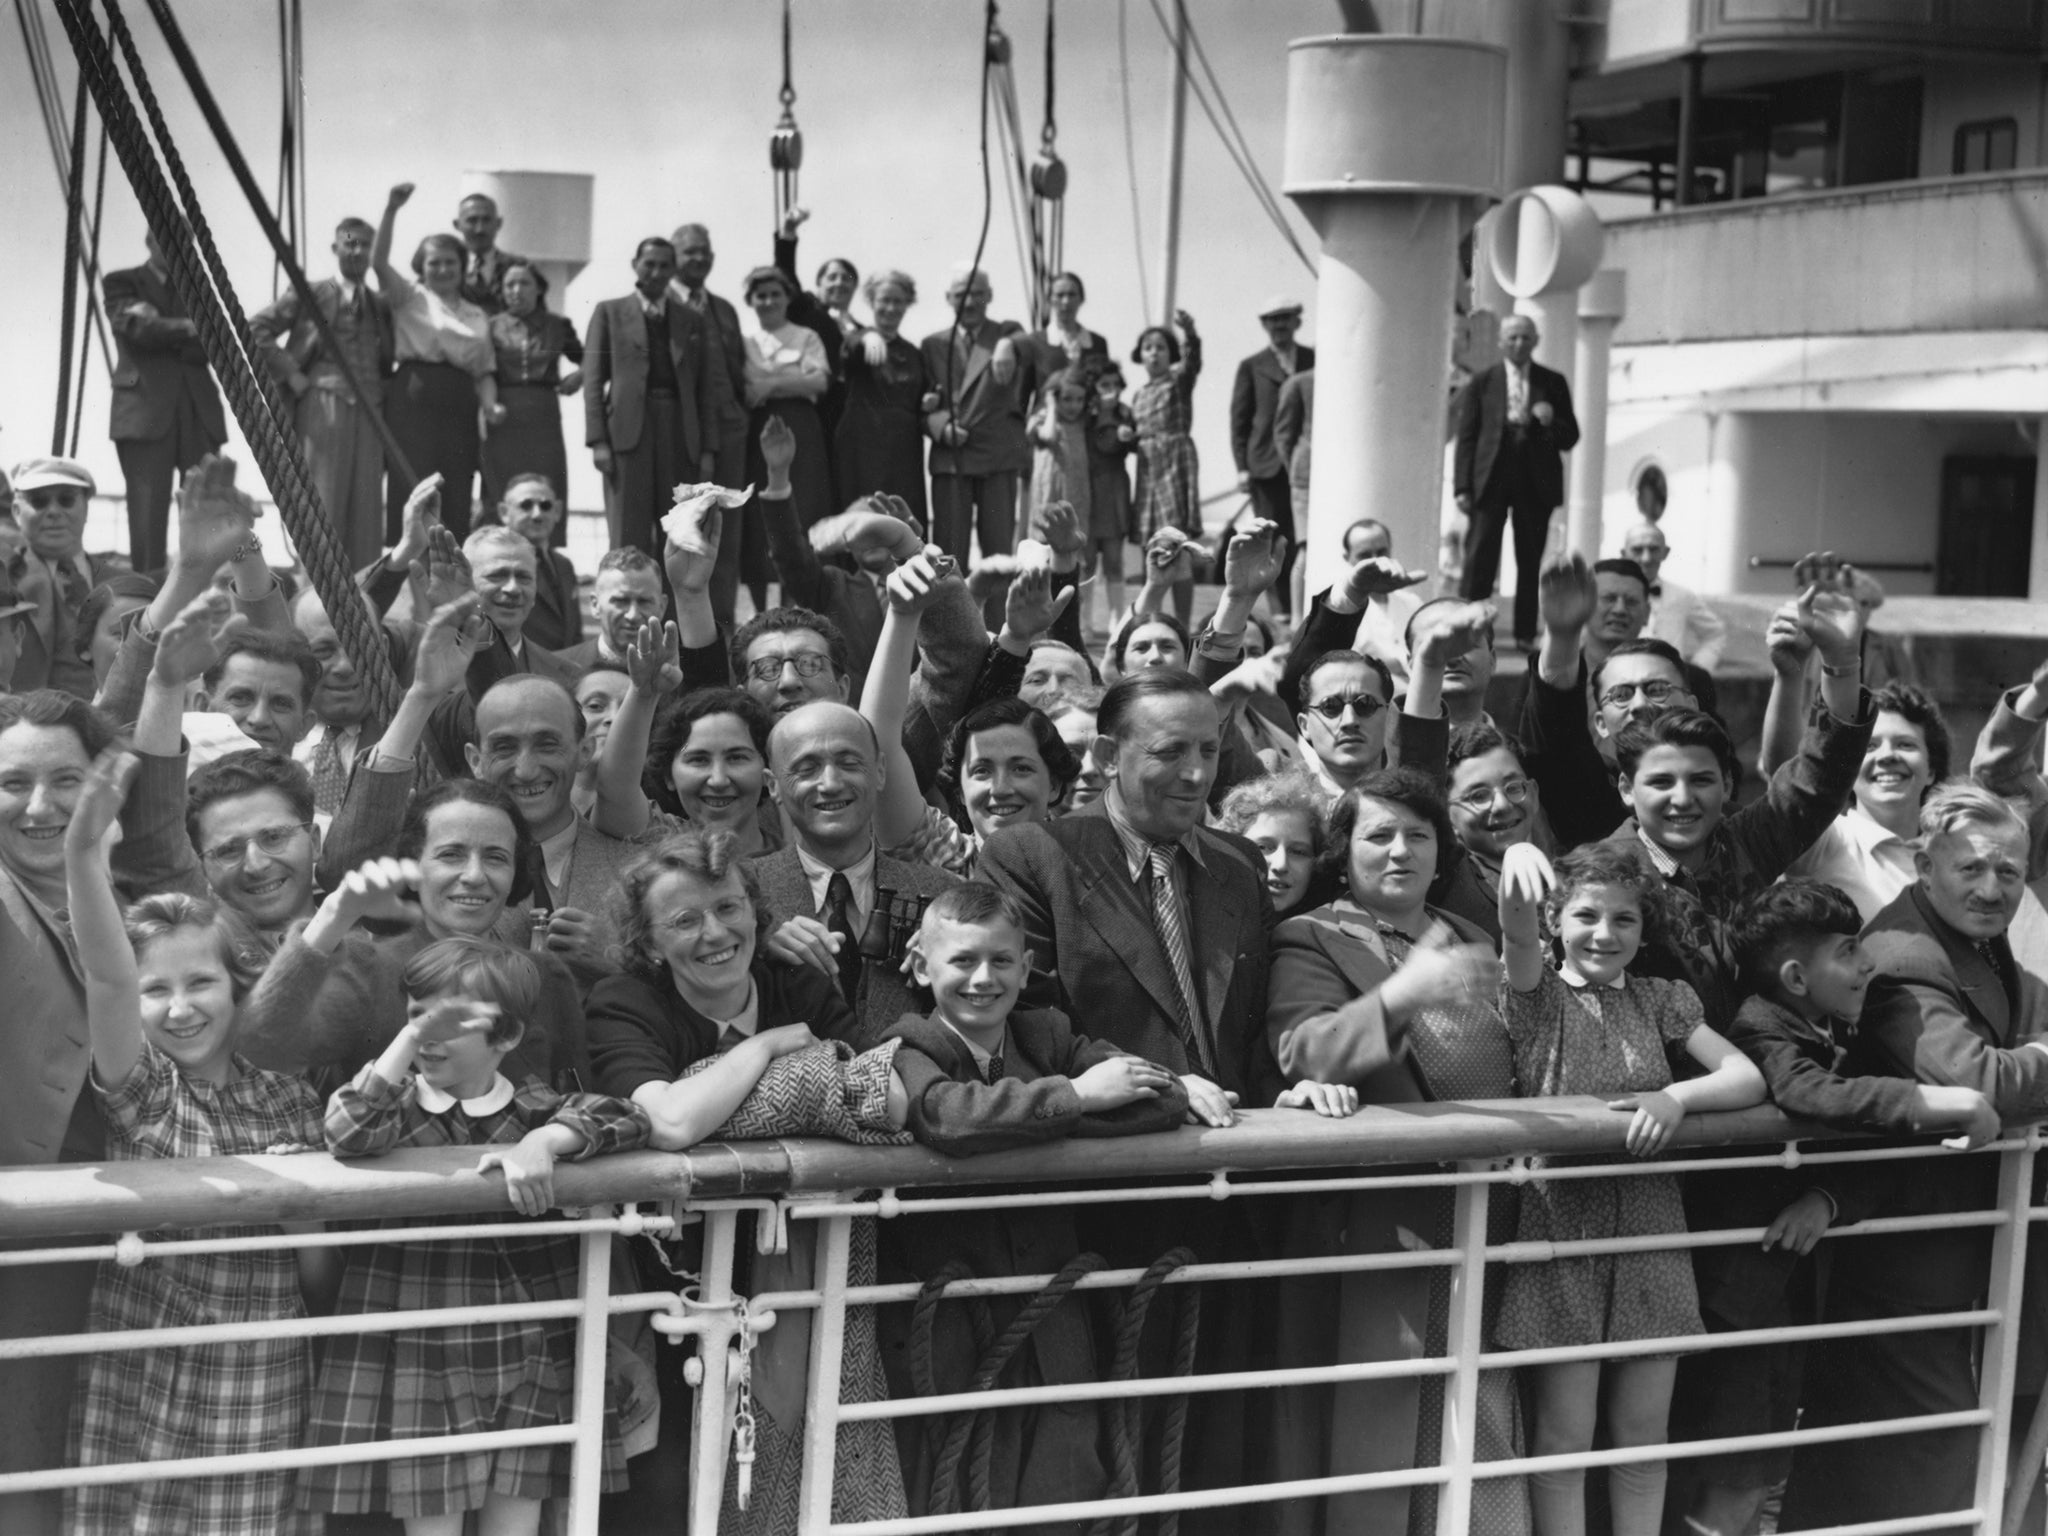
[(1590, 1027), (437, 1084), (1169, 491), (162, 995)]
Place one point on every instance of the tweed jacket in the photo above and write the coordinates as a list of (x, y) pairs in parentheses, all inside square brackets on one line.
[(1097, 957), (615, 376), (287, 339), (1254, 400), (884, 994)]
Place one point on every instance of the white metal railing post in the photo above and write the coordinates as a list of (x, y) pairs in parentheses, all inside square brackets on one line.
[(828, 1348), (2001, 1339), (711, 1413), (593, 1331), (1464, 1342)]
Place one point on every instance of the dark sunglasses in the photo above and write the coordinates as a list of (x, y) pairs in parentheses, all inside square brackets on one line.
[(1364, 704)]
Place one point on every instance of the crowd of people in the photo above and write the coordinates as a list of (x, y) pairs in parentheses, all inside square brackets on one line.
[(905, 856)]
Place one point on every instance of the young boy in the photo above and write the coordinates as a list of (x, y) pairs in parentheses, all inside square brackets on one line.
[(982, 1076), (1795, 944)]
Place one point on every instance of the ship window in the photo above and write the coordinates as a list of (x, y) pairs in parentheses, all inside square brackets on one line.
[(1990, 144)]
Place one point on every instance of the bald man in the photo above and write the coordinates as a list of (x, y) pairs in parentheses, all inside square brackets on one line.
[(1679, 616), (1514, 424), (850, 908)]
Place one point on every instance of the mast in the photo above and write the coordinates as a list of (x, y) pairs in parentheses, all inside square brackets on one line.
[(1176, 141)]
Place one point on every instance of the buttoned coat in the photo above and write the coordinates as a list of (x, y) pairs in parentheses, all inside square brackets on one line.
[(1097, 956), (154, 362), (1254, 402), (615, 375), (971, 397), (1481, 426)]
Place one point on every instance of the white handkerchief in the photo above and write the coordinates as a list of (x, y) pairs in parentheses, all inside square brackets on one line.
[(684, 522)]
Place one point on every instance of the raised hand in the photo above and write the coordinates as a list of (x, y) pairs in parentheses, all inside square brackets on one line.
[(1030, 609), (422, 516), (654, 658), (97, 811), (1060, 526), (192, 641), (1381, 574), (1789, 643), (914, 585), (1169, 558), (1526, 878), (1565, 593), (778, 446), (1832, 619), (215, 520), (1252, 560), (380, 888), (453, 636), (1441, 976), (400, 195), (1444, 630), (442, 575)]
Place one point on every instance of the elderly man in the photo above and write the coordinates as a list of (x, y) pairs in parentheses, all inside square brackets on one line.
[(850, 908), (1947, 1005), (1514, 423), (55, 573), (648, 407), (167, 414), (1262, 464), (478, 221), (338, 390), (1679, 616), (983, 387)]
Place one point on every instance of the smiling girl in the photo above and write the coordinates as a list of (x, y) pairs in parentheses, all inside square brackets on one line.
[(438, 1084), (1589, 1027), (163, 992)]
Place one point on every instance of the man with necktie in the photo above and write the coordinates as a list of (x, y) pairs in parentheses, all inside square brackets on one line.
[(166, 415), (344, 455), (646, 398), (484, 265), (980, 455), (1679, 616), (1514, 424), (745, 552)]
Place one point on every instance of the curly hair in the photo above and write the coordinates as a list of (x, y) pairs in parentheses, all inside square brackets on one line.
[(1061, 766), (1412, 791), (705, 856), (1783, 921), (241, 952), (247, 773), (1611, 864), (1918, 710), (1291, 789), (671, 733)]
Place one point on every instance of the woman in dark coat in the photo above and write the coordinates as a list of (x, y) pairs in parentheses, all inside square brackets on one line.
[(880, 440), (529, 343)]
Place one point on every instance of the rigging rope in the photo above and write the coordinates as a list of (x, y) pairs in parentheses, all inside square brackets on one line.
[(94, 321), (277, 453), (1123, 59), (74, 208), (231, 151), (990, 33)]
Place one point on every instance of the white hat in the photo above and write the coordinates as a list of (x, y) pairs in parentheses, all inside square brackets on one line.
[(1278, 304), (36, 474)]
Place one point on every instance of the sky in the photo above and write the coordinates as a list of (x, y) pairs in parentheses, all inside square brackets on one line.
[(669, 104)]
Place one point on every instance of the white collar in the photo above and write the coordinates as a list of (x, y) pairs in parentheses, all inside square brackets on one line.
[(746, 1022), (860, 874), (1579, 983), (435, 1102)]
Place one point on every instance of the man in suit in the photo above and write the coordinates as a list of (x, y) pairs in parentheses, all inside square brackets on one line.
[(980, 455), (1513, 424), (1101, 949), (646, 398), (54, 573), (532, 508), (849, 909), (478, 221), (1262, 467), (725, 408), (344, 456), (1948, 1005), (167, 414), (626, 594)]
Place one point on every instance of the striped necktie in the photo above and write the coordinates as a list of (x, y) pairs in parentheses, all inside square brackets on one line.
[(1166, 917)]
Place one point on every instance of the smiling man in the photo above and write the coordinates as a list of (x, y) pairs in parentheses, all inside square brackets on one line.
[(826, 774), (265, 683), (1948, 1006), (626, 594), (52, 497), (250, 817)]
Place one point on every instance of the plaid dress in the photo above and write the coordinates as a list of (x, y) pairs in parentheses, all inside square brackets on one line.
[(1169, 493), (452, 1381), (209, 1399)]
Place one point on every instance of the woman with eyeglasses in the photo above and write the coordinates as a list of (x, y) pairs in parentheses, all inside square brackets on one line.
[(1385, 997), (528, 344), (1493, 805)]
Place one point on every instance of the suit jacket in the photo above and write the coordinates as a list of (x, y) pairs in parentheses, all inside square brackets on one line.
[(556, 622), (46, 1109), (155, 363), (597, 869), (287, 340), (992, 413), (884, 994), (615, 375), (486, 289), (1254, 399), (726, 397), (1481, 428), (1098, 958), (52, 661), (1294, 426)]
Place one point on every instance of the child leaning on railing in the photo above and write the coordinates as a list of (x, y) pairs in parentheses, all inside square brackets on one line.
[(162, 993), (438, 1084)]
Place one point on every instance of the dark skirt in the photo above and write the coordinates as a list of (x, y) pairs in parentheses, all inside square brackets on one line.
[(879, 444), (527, 442), (431, 409)]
